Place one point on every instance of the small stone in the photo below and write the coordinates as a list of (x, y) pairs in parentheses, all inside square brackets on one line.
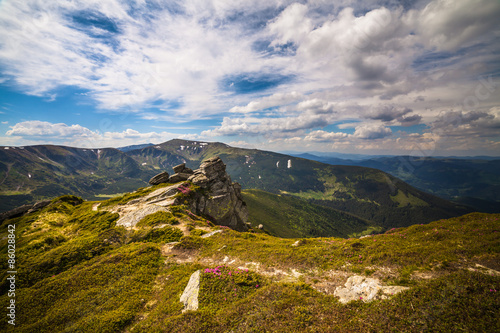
[(190, 295)]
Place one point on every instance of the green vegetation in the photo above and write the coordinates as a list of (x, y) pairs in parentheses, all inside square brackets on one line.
[(158, 218), (78, 271)]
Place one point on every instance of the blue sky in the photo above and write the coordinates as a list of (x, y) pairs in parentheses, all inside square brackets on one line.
[(373, 76)]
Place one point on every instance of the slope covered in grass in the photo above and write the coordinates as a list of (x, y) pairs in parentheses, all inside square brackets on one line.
[(79, 272), (292, 217)]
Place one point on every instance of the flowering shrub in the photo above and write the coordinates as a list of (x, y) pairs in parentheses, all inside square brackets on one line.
[(184, 189)]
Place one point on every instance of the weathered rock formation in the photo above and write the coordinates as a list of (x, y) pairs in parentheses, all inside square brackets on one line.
[(222, 201), (25, 209)]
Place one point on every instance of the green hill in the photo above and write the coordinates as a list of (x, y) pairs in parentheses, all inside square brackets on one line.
[(77, 271), (292, 217)]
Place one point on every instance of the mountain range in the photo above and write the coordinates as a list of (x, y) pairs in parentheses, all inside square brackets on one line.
[(364, 194)]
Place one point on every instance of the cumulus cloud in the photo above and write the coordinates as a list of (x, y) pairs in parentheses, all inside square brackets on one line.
[(372, 132), (37, 128), (448, 25), (324, 136), (277, 99)]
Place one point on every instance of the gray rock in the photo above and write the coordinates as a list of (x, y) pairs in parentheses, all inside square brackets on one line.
[(24, 209), (159, 178), (190, 295), (178, 177), (199, 179), (179, 168), (188, 170), (213, 168)]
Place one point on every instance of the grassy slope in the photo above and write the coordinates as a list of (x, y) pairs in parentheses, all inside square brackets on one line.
[(291, 217), (79, 272)]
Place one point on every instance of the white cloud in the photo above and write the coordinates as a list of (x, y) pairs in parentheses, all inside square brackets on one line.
[(36, 128), (372, 132), (277, 99), (323, 136), (448, 25), (34, 132)]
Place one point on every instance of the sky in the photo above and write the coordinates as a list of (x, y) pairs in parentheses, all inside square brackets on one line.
[(370, 77)]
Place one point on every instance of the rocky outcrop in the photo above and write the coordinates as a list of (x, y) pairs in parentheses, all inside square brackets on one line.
[(159, 178), (365, 289), (222, 201), (181, 168), (217, 198), (179, 177)]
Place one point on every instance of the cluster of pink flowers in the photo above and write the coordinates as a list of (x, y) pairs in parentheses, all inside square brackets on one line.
[(184, 189)]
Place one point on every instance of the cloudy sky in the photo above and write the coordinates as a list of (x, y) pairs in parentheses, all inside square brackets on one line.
[(372, 76)]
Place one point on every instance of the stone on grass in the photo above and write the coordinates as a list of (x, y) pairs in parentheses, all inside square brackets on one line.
[(365, 289), (190, 295)]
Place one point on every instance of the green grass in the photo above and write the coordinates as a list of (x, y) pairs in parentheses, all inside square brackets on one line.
[(161, 217)]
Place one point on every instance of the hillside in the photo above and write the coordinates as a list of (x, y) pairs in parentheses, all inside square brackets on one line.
[(80, 269), (37, 172), (293, 217), (364, 192)]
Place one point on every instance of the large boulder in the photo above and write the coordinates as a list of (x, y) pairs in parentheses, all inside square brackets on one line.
[(181, 168), (159, 178)]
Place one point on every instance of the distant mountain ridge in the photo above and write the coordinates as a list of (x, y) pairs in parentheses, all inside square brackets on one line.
[(132, 147), (475, 182), (365, 192)]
